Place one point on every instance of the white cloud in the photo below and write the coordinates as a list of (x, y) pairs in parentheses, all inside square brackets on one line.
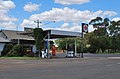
[(70, 2), (109, 13), (27, 23), (67, 15), (116, 19), (72, 27), (8, 25), (5, 20), (6, 4), (65, 26), (30, 7)]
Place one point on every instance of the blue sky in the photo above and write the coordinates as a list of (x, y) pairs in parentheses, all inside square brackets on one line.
[(68, 14)]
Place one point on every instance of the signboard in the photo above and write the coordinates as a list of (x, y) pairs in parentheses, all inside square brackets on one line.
[(85, 27)]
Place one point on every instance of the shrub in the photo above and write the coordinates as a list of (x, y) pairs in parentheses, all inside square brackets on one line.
[(17, 50)]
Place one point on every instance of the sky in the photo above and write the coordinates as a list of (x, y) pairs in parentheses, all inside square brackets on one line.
[(67, 14)]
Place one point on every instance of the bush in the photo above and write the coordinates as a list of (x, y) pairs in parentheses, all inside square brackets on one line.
[(29, 54), (92, 49), (17, 50)]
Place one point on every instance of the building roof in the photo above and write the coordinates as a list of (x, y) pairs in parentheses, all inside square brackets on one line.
[(2, 40), (12, 34)]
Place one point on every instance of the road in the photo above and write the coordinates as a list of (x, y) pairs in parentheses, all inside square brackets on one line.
[(61, 68)]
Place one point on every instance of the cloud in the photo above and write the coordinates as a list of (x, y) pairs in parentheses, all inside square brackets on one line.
[(109, 13), (8, 25), (30, 7), (71, 2), (65, 26), (70, 27), (6, 4), (27, 23), (116, 19), (67, 15), (5, 20)]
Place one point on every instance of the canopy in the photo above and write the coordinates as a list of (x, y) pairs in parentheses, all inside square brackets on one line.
[(61, 34), (53, 34)]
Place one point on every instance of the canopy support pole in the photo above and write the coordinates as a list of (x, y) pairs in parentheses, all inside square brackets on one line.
[(75, 47), (48, 49)]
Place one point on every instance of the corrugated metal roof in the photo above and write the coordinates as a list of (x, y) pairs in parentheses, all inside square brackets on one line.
[(66, 33), (62, 33), (11, 34)]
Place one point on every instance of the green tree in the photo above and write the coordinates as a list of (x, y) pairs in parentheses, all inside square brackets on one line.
[(96, 22), (104, 43), (100, 39), (39, 35), (114, 29), (101, 26), (63, 41)]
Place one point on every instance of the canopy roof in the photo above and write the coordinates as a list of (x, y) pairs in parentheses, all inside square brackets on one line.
[(62, 34)]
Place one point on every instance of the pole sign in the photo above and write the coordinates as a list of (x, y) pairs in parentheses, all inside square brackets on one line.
[(85, 27)]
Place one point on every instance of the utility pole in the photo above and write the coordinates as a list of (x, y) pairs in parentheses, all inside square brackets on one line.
[(38, 23), (48, 42)]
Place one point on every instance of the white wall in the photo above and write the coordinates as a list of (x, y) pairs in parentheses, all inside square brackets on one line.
[(1, 47)]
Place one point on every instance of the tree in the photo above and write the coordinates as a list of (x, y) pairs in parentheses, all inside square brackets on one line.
[(63, 41), (114, 29), (38, 35), (101, 26), (96, 22), (104, 43)]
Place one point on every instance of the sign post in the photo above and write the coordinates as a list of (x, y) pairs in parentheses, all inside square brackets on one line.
[(84, 30)]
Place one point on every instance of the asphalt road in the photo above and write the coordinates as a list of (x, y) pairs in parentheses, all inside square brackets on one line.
[(61, 68)]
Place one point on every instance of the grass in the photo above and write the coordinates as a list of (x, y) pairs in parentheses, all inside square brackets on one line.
[(110, 53), (20, 58)]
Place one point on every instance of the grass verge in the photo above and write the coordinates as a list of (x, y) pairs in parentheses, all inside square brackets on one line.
[(20, 58)]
